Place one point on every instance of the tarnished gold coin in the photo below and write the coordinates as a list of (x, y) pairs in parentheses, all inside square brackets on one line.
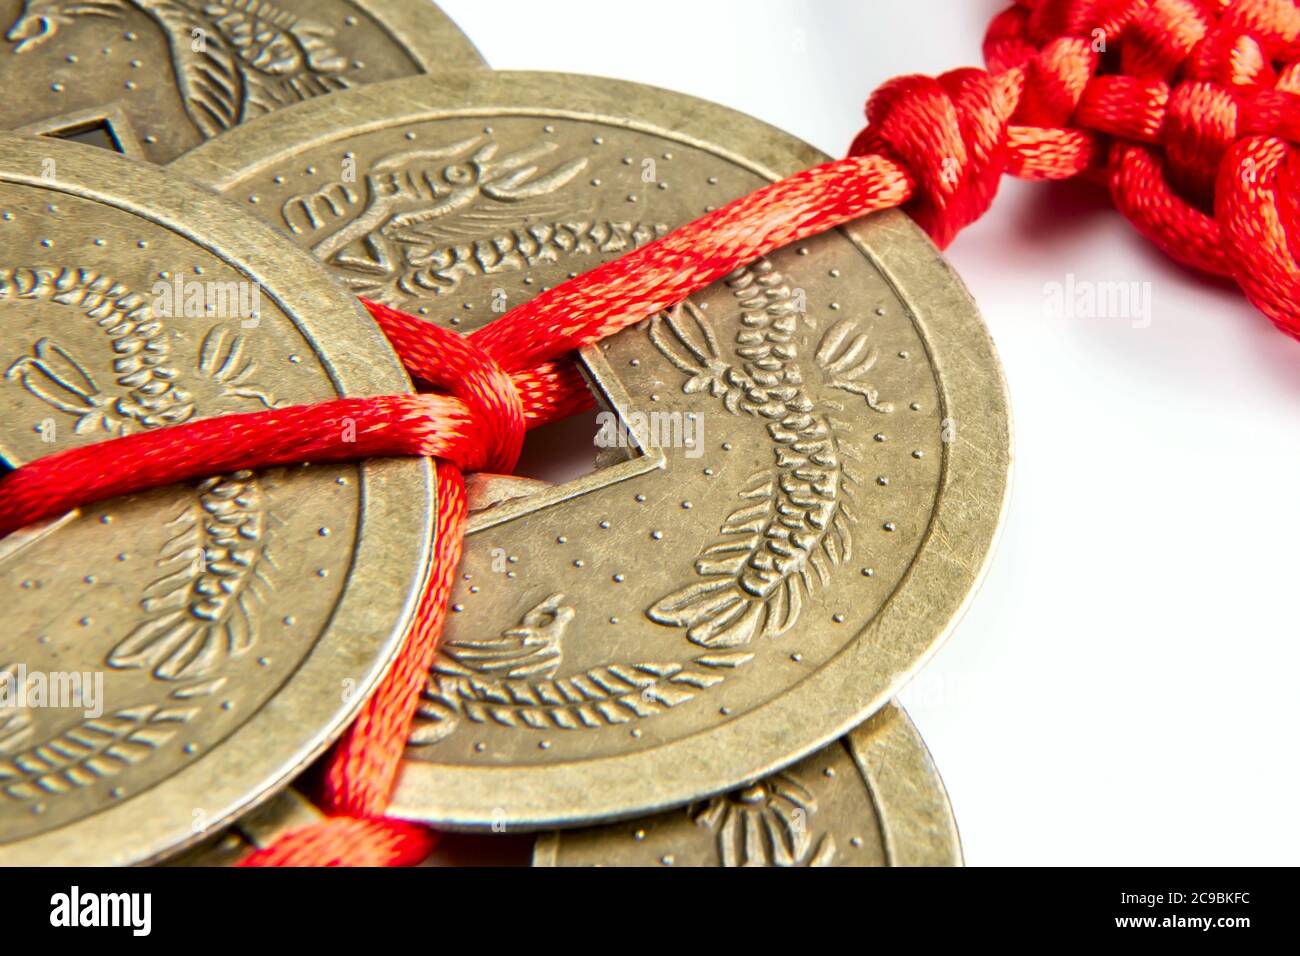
[(162, 76), (167, 658), (872, 798), (803, 467)]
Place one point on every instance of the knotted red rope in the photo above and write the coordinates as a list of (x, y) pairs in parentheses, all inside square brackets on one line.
[(1187, 109)]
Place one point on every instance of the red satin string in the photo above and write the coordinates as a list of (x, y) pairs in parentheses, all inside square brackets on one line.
[(1187, 109)]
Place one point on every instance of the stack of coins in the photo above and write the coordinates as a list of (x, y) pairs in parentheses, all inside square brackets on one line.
[(682, 654)]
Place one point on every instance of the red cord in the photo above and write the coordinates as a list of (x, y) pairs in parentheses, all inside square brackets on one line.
[(1187, 109)]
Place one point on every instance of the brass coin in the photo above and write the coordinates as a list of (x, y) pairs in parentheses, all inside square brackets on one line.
[(161, 76), (872, 798), (820, 473), (197, 644)]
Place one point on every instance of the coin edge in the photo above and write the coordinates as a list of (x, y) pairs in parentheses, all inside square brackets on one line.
[(388, 510)]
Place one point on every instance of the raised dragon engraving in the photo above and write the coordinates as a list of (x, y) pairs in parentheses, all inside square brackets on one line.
[(796, 524), (94, 749), (767, 824), (509, 680), (530, 650), (149, 396), (214, 564), (213, 568), (426, 219), (148, 391), (224, 358), (232, 59)]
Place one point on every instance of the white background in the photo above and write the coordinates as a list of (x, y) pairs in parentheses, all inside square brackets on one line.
[(1123, 690)]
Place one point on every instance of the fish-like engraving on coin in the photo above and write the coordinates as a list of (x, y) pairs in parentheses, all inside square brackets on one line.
[(171, 656), (157, 77), (872, 798), (802, 467)]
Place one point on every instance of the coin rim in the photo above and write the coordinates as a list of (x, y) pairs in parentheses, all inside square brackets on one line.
[(421, 28), (911, 624), (917, 826), (389, 560), (408, 23)]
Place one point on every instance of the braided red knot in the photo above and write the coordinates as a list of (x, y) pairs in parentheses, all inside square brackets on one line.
[(1188, 109)]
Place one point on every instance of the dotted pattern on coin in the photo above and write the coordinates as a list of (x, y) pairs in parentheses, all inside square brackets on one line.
[(820, 465), (165, 76), (158, 629), (872, 798)]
